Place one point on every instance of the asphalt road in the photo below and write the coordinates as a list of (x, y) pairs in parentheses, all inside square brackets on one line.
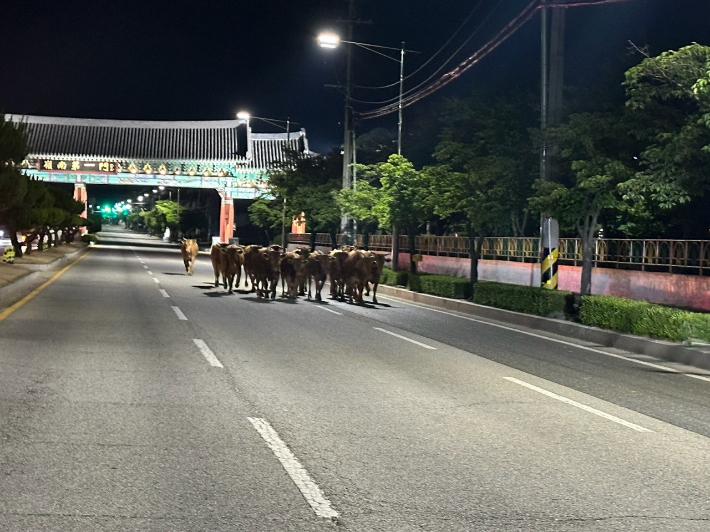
[(134, 397)]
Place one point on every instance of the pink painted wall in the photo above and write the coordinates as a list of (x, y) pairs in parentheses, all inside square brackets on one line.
[(689, 291)]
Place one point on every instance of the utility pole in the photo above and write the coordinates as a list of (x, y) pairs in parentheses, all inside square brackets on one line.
[(347, 138)]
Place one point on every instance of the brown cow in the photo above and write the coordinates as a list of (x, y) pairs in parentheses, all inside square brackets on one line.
[(375, 273), (292, 268), (317, 268), (227, 261), (356, 270), (189, 250), (251, 258), (217, 256), (267, 271), (335, 271)]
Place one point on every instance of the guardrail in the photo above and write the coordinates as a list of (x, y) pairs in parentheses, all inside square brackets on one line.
[(659, 255)]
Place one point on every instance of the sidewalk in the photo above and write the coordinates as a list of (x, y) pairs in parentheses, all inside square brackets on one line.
[(28, 272)]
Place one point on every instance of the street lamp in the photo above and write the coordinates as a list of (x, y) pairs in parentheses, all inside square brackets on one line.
[(332, 40), (244, 115)]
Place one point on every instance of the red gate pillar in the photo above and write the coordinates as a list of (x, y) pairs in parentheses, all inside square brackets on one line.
[(81, 195), (226, 219)]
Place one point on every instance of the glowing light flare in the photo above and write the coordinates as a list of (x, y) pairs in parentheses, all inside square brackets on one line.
[(328, 39)]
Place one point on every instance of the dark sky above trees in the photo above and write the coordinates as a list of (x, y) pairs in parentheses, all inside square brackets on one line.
[(177, 60)]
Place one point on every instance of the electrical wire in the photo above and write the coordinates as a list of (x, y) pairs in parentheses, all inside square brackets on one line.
[(512, 27), (441, 48), (462, 67), (451, 57)]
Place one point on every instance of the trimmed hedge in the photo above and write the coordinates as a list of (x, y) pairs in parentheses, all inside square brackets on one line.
[(436, 285), (392, 278), (643, 318), (527, 299), (441, 285)]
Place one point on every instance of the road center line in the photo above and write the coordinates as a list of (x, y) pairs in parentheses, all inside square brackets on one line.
[(145, 266), (580, 405), (179, 313), (308, 488), (207, 353), (162, 291), (404, 338), (149, 272), (571, 344), (329, 310), (156, 280)]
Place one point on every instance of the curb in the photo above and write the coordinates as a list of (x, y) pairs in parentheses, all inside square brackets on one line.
[(18, 289), (641, 345)]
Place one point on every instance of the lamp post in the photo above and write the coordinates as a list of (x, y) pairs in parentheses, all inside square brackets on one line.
[(244, 115), (332, 40)]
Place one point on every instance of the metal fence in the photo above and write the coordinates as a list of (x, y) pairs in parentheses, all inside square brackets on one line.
[(672, 256)]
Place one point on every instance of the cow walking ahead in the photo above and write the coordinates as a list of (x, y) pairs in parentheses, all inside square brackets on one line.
[(227, 261), (189, 249)]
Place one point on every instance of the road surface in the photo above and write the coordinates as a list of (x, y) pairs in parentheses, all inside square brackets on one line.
[(134, 397)]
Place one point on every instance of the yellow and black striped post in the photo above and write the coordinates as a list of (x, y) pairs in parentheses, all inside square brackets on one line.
[(548, 268), (550, 232)]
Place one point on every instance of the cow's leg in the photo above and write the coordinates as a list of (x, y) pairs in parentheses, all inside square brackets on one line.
[(192, 263), (374, 293), (309, 286), (239, 277), (230, 283)]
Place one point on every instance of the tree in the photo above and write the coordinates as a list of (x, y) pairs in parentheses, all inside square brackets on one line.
[(30, 215), (13, 183), (64, 216), (401, 199), (669, 98), (307, 184), (595, 151), (486, 141)]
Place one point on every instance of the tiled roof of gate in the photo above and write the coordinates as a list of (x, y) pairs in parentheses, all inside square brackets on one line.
[(216, 140)]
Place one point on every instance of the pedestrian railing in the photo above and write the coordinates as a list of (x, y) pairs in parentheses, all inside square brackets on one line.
[(660, 255)]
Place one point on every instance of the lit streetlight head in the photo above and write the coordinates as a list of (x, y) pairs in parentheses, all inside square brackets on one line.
[(328, 39), (243, 115)]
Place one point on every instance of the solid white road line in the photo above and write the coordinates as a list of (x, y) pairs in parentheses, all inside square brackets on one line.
[(580, 405), (162, 291), (308, 488), (404, 338), (572, 344), (326, 308), (179, 313), (207, 352)]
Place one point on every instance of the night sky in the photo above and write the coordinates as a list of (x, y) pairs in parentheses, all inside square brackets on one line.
[(176, 60)]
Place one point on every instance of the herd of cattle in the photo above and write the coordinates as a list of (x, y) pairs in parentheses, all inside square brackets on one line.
[(351, 271)]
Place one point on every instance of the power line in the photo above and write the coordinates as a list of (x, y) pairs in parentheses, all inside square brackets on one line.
[(512, 27)]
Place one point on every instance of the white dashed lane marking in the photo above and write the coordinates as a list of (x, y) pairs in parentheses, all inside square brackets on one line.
[(308, 488), (179, 313), (404, 338), (333, 311), (162, 291), (156, 280), (207, 353), (580, 405)]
